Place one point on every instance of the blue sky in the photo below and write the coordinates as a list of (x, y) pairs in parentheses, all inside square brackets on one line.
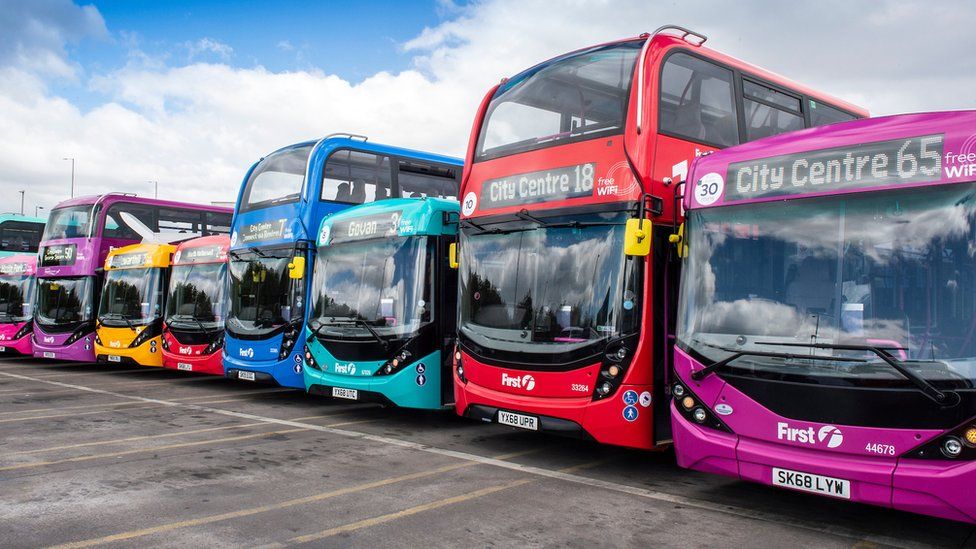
[(353, 40)]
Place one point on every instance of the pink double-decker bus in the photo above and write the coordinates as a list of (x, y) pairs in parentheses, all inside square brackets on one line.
[(826, 335), (16, 302), (70, 263)]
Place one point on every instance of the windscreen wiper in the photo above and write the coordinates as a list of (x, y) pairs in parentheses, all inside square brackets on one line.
[(524, 215), (354, 322), (739, 353), (940, 397), (123, 319), (481, 229)]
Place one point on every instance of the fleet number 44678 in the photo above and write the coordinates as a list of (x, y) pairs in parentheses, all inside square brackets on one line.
[(880, 449)]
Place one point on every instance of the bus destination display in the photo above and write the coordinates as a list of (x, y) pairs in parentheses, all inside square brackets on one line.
[(542, 186), (894, 162), (362, 228)]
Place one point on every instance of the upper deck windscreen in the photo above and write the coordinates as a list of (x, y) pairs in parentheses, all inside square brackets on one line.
[(277, 179), (578, 96), (68, 222)]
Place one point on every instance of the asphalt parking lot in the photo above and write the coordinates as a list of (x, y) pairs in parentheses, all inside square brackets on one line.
[(95, 455)]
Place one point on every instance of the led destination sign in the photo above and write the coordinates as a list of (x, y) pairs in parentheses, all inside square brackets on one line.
[(264, 230), (58, 255), (362, 228), (129, 260), (203, 254), (14, 268), (906, 160), (542, 186)]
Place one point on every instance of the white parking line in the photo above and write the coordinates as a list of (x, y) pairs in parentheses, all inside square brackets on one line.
[(645, 493)]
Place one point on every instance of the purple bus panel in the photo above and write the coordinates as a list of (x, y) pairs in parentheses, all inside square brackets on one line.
[(826, 331)]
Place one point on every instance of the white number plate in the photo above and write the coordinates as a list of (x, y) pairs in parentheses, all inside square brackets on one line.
[(350, 394), (113, 358), (518, 420), (817, 484), (246, 376), (48, 354), (184, 366)]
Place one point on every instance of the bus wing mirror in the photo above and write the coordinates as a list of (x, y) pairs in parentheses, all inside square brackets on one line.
[(678, 239), (296, 268), (452, 257), (637, 237)]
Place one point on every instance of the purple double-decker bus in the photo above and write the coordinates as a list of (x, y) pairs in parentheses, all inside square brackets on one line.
[(826, 332), (70, 263)]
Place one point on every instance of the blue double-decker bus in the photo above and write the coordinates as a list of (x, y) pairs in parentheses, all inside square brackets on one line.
[(280, 207)]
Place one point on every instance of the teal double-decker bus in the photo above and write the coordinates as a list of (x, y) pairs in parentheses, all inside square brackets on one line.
[(19, 234), (384, 297)]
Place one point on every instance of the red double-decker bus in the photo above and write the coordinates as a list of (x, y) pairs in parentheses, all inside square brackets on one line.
[(568, 199)]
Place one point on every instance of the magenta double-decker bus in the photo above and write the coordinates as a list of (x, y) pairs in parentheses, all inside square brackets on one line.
[(70, 263), (16, 302), (826, 334)]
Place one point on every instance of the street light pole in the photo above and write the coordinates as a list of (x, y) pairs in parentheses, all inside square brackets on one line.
[(37, 208), (72, 175), (155, 188), (21, 202)]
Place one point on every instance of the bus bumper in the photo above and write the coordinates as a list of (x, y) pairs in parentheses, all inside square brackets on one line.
[(603, 420), (20, 346), (147, 354), (52, 346), (212, 364), (287, 373), (939, 488), (406, 388)]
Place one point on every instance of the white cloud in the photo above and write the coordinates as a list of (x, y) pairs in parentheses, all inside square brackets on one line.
[(197, 128), (34, 34), (205, 46)]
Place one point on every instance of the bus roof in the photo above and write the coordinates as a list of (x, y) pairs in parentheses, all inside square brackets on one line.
[(389, 218), (20, 264), (205, 249), (343, 140), (109, 198), (140, 256), (870, 154), (19, 217), (664, 40)]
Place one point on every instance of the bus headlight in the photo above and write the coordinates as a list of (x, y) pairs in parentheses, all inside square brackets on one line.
[(398, 361), (215, 345), (82, 331), (613, 369), (288, 339), (955, 444), (971, 436), (24, 330), (952, 447), (145, 335), (690, 408), (310, 358)]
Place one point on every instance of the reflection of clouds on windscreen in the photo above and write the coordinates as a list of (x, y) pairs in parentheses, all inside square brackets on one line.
[(553, 267), (883, 232), (354, 279), (754, 317)]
